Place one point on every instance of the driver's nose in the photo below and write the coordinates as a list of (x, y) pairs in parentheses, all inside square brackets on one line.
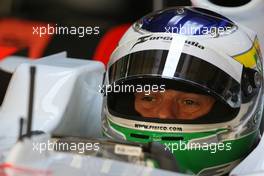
[(165, 111)]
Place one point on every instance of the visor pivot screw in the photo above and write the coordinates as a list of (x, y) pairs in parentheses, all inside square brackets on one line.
[(180, 11), (257, 79), (255, 119), (249, 89), (138, 25)]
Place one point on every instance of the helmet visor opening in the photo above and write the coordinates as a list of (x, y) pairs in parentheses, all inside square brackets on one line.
[(189, 69), (152, 99)]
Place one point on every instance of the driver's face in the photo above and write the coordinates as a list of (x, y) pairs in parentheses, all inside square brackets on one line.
[(172, 104)]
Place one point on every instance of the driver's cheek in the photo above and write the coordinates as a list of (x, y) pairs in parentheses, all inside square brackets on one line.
[(190, 113)]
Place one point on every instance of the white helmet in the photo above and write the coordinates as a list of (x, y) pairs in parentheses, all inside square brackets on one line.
[(196, 51)]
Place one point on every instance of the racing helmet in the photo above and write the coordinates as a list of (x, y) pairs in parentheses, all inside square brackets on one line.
[(181, 51)]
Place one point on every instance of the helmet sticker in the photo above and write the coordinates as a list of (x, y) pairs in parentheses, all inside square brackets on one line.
[(174, 54)]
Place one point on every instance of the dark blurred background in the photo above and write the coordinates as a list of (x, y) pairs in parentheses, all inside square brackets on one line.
[(103, 13), (106, 14)]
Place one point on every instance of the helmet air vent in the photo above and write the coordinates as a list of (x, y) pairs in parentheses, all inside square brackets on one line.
[(172, 138), (140, 136)]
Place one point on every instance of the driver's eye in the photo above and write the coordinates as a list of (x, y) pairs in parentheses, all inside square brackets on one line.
[(148, 98), (189, 102)]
